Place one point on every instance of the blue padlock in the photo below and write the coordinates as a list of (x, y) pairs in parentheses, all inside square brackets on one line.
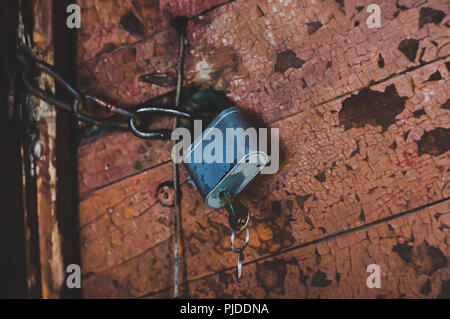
[(220, 180), (239, 162)]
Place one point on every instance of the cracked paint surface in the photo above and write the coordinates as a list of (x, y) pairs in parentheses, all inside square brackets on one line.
[(348, 178), (343, 164), (340, 272)]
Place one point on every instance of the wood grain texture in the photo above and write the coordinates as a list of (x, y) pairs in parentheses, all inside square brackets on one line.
[(334, 177), (412, 252), (364, 132), (116, 156), (283, 67), (242, 49), (138, 217), (114, 23), (274, 59), (52, 270)]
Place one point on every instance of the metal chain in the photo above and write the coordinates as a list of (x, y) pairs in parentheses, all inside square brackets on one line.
[(120, 118)]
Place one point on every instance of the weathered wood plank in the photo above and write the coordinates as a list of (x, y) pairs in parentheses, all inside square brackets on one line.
[(111, 24), (116, 156), (270, 60), (344, 164), (412, 251), (277, 53), (50, 236), (119, 226), (243, 50)]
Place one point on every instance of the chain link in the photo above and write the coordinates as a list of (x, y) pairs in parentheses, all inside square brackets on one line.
[(120, 118)]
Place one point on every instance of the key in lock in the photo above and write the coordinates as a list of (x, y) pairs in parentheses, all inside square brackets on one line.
[(221, 175)]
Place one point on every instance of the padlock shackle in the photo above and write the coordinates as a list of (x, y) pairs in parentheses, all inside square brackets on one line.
[(164, 134), (202, 104)]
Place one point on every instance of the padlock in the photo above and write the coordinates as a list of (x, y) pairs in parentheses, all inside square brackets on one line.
[(237, 157), (230, 173)]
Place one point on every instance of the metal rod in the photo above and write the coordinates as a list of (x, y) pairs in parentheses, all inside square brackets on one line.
[(181, 31)]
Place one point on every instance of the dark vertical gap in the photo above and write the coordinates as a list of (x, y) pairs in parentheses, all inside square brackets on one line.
[(12, 239), (66, 159)]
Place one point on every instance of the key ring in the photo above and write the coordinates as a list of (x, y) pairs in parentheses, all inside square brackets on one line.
[(239, 251), (247, 238)]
